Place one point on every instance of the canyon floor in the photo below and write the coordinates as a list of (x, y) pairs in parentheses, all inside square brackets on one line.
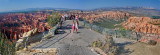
[(68, 43)]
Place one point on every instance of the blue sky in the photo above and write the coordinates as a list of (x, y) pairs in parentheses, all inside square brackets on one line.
[(8, 5)]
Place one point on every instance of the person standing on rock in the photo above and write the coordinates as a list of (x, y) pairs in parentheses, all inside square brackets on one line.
[(73, 26), (66, 16), (63, 16), (76, 24), (76, 27), (72, 17), (61, 20), (77, 19)]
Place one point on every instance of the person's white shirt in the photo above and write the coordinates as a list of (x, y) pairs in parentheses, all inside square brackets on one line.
[(66, 15), (76, 17)]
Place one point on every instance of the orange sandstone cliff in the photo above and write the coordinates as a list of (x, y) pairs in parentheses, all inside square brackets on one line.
[(144, 25)]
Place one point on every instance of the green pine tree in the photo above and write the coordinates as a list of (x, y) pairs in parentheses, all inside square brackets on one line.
[(53, 20), (6, 47)]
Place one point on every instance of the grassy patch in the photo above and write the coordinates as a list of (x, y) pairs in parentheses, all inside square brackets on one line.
[(122, 29), (109, 23)]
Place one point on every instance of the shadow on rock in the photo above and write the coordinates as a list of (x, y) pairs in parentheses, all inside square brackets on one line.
[(81, 27), (61, 32), (123, 44), (122, 50)]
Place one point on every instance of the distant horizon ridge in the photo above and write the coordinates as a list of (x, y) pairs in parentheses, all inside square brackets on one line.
[(50, 8)]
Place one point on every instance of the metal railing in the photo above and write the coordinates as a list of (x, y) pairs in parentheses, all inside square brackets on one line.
[(117, 33)]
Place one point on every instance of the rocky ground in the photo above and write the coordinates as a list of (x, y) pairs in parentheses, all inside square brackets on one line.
[(131, 47), (68, 43), (141, 48)]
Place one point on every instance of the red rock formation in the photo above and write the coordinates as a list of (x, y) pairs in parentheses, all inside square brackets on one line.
[(146, 38), (106, 15), (17, 23), (144, 25)]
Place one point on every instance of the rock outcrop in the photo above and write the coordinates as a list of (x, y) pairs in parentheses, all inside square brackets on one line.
[(20, 23), (31, 32), (108, 46), (98, 16), (147, 25), (28, 37), (143, 24)]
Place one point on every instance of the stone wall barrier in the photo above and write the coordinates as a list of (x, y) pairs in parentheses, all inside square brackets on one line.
[(32, 36)]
